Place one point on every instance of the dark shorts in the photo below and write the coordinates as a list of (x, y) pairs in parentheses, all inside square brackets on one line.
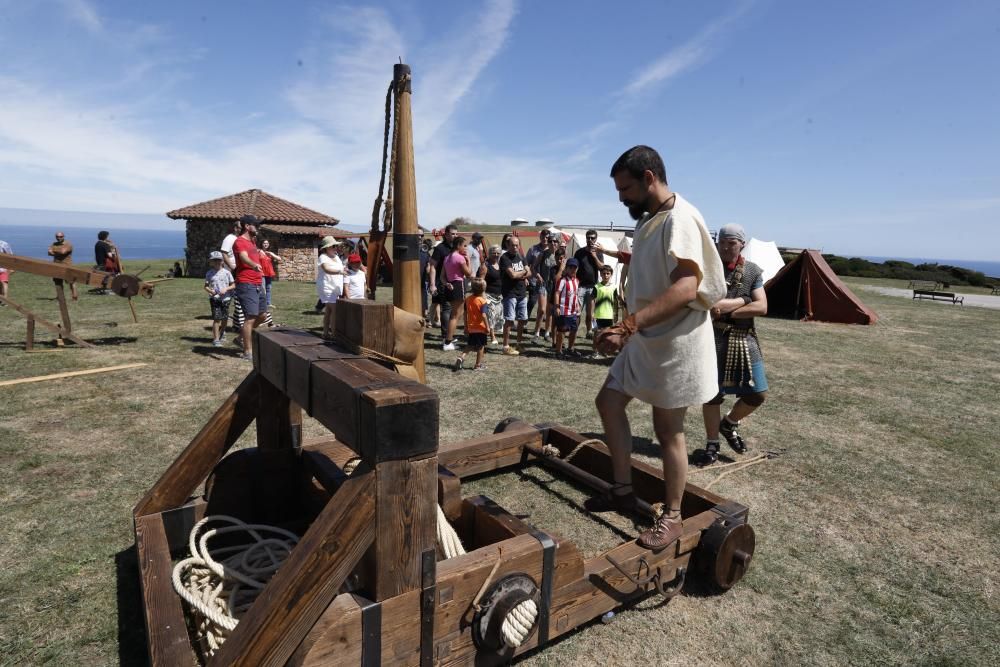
[(220, 309), (475, 341), (567, 322), (457, 291), (604, 324), (252, 297)]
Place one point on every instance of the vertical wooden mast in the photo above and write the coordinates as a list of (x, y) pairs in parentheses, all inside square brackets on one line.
[(406, 283)]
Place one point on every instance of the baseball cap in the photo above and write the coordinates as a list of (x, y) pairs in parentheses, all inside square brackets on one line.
[(355, 257), (572, 262), (215, 254)]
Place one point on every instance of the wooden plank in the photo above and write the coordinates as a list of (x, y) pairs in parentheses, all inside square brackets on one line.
[(88, 277), (29, 340), (296, 596), (492, 452), (374, 409), (279, 440), (335, 638), (211, 443), (334, 395), (398, 422), (406, 524), (178, 522), (268, 351), (54, 328), (324, 470), (367, 323), (299, 358), (449, 493), (63, 308), (489, 523), (70, 374), (166, 630)]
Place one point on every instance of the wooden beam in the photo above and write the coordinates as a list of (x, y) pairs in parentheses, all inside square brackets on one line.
[(191, 467), (54, 328), (63, 308), (491, 452), (39, 267), (166, 630), (69, 374), (406, 524), (307, 582)]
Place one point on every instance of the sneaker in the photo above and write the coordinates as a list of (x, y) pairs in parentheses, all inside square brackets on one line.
[(665, 531), (732, 436), (510, 352), (480, 367), (458, 365), (246, 357), (560, 354), (449, 347), (217, 343), (572, 352), (590, 334), (611, 501), (707, 456)]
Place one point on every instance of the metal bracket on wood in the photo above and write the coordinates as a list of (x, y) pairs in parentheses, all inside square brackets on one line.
[(371, 632), (428, 575), (644, 576), (548, 564)]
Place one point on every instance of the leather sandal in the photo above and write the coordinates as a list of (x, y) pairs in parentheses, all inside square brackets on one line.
[(732, 436), (612, 501), (665, 531)]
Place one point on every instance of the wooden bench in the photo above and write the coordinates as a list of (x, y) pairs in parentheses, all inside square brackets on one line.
[(924, 285), (934, 295)]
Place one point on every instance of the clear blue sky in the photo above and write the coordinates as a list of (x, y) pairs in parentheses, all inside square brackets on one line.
[(855, 127)]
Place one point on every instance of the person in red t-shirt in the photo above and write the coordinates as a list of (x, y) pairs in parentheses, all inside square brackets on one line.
[(267, 259), (249, 281)]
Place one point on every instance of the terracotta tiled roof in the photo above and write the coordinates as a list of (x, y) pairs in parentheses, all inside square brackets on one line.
[(318, 231), (265, 206)]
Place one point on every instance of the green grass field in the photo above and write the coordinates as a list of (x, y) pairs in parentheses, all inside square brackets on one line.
[(877, 534)]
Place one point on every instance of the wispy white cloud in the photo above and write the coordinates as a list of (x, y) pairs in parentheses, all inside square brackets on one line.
[(687, 56)]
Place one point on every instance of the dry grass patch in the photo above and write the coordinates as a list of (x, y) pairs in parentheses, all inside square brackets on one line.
[(877, 543)]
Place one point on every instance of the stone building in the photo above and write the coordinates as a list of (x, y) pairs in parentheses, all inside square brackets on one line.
[(294, 231)]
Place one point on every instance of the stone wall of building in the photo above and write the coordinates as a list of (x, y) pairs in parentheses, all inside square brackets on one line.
[(297, 251), (298, 255), (203, 236)]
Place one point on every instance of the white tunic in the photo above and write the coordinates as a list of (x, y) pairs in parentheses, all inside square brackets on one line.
[(329, 286), (672, 364)]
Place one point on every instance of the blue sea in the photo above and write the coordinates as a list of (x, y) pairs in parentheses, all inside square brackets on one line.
[(991, 269), (34, 240)]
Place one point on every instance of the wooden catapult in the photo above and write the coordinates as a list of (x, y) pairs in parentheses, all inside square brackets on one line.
[(121, 284), (366, 584)]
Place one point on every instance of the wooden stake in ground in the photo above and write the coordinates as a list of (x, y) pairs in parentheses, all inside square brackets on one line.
[(59, 376)]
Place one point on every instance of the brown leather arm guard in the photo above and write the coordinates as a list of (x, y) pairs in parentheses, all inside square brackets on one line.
[(613, 339)]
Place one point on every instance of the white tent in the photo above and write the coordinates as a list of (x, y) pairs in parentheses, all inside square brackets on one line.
[(765, 255)]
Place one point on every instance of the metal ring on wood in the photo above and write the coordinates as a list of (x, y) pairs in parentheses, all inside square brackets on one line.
[(508, 615)]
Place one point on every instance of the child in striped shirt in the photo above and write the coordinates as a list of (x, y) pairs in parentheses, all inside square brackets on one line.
[(567, 309)]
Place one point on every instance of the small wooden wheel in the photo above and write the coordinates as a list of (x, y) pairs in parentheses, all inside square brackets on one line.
[(505, 424), (725, 551)]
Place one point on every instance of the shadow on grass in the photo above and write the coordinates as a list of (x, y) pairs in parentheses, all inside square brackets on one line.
[(223, 352), (112, 340), (131, 627)]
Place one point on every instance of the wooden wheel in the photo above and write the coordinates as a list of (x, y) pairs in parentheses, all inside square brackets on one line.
[(505, 424), (725, 551)]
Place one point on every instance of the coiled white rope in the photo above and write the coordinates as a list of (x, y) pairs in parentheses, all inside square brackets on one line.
[(447, 537), (518, 623), (221, 583)]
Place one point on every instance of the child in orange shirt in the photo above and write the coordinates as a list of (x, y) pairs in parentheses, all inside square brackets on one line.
[(476, 329)]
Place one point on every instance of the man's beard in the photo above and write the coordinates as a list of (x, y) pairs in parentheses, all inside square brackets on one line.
[(636, 209)]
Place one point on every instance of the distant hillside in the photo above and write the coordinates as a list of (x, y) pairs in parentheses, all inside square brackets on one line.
[(942, 273)]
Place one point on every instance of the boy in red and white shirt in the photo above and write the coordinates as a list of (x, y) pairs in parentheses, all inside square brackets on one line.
[(567, 308)]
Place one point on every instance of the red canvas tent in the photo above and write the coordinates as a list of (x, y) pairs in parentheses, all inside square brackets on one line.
[(808, 289)]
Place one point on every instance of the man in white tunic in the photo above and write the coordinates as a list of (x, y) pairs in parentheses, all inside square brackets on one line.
[(666, 346)]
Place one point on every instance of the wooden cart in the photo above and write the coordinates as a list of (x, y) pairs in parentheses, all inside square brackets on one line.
[(365, 585)]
